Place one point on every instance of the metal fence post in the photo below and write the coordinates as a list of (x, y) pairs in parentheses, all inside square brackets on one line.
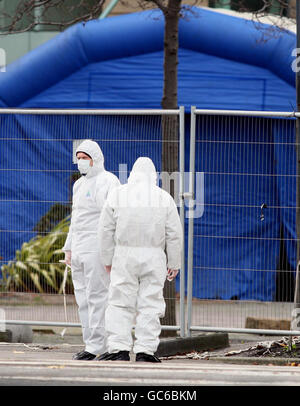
[(191, 220), (181, 194)]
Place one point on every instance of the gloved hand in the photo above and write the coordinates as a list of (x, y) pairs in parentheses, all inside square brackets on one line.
[(68, 255), (108, 268), (172, 273)]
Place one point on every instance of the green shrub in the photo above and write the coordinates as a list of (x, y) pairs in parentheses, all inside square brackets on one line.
[(36, 267)]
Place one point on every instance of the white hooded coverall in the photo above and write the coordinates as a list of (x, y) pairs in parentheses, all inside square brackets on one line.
[(140, 236), (89, 277)]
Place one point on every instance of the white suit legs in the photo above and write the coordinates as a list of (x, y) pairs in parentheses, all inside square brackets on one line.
[(150, 308), (120, 313), (91, 283), (135, 296)]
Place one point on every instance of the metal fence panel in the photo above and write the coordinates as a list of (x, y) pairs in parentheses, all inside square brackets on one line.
[(242, 186), (242, 244), (36, 177)]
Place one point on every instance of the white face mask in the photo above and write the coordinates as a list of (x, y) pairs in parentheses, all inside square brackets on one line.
[(83, 166)]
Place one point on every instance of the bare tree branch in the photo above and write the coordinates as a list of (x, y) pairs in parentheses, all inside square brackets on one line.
[(28, 14), (160, 4)]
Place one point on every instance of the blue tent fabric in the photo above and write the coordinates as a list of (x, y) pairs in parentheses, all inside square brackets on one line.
[(36, 163), (137, 82), (231, 228), (118, 63)]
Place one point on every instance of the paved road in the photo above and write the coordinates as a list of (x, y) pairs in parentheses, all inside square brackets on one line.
[(130, 374), (52, 366)]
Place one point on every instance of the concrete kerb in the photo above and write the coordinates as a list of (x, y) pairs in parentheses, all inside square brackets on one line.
[(183, 345), (6, 336), (17, 333), (215, 341), (256, 360)]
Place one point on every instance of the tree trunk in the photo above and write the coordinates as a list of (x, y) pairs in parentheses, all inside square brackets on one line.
[(170, 127)]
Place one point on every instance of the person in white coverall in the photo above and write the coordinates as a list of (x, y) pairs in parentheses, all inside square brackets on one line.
[(140, 240), (90, 279)]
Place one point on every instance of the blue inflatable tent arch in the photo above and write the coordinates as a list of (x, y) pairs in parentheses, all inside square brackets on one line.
[(212, 45), (118, 63)]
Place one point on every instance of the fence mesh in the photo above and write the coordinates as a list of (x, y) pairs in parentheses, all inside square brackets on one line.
[(37, 172), (244, 256), (245, 238)]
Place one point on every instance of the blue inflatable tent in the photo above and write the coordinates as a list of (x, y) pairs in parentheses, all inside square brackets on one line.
[(118, 63)]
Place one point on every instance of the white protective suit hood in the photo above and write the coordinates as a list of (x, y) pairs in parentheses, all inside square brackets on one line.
[(92, 149), (143, 171)]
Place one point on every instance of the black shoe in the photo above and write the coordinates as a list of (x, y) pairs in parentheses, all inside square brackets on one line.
[(143, 357), (84, 355), (115, 356)]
